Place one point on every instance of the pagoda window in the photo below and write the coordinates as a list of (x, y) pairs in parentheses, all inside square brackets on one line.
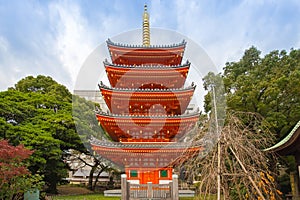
[(133, 173), (163, 173)]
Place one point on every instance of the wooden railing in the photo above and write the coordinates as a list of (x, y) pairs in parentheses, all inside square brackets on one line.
[(132, 191), (153, 191), (137, 191), (162, 191)]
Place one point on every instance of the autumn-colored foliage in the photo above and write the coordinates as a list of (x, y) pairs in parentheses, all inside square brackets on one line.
[(11, 166)]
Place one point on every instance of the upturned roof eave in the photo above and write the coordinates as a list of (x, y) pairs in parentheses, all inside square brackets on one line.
[(145, 146), (181, 44), (285, 146), (132, 117), (167, 67), (192, 87)]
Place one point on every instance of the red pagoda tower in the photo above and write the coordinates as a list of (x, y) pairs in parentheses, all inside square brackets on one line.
[(147, 103)]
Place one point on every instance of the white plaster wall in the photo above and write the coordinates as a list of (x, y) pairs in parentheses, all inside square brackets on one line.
[(164, 181), (134, 181)]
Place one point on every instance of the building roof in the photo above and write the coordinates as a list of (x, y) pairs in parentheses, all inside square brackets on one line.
[(146, 90), (153, 117), (86, 173), (147, 76), (142, 100), (147, 66), (146, 55), (289, 145), (109, 42), (155, 127), (145, 155), (145, 145)]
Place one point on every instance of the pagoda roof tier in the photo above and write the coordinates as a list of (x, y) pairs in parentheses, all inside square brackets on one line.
[(144, 155), (147, 76), (145, 101), (153, 128), (139, 54), (147, 66)]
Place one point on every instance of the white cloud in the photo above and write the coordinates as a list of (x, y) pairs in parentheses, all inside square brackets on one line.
[(76, 37), (12, 67), (25, 47), (55, 38), (4, 49), (73, 40), (3, 45), (226, 30)]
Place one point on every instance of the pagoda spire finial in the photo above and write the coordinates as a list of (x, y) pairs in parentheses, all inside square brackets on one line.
[(146, 28)]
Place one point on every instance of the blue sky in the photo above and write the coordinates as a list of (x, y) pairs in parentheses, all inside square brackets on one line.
[(55, 37)]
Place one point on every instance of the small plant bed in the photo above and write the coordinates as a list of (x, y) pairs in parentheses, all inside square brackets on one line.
[(73, 190)]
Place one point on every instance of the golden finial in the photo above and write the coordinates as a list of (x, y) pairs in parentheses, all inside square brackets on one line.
[(146, 28)]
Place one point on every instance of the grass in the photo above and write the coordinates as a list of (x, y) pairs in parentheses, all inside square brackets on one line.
[(102, 197), (84, 197), (81, 193), (96, 197)]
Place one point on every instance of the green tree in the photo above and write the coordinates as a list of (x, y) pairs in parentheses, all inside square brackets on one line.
[(87, 126), (266, 85), (37, 112)]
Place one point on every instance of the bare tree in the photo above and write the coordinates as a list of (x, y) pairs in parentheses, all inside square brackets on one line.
[(245, 170), (78, 160)]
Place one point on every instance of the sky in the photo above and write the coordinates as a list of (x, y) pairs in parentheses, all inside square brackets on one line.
[(54, 38)]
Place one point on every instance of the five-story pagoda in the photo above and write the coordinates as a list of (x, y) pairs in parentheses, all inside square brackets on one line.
[(147, 103)]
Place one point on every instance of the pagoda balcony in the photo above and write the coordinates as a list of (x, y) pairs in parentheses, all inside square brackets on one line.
[(147, 101), (122, 54), (145, 155), (154, 128), (147, 76)]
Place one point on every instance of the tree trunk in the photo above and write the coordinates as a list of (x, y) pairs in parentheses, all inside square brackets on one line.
[(97, 178), (91, 175)]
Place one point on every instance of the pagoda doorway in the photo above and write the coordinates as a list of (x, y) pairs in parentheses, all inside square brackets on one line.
[(149, 176)]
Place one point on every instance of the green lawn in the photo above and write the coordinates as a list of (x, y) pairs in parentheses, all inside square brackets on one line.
[(96, 197), (84, 197)]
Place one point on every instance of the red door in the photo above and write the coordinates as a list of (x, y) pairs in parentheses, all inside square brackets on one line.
[(149, 176)]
